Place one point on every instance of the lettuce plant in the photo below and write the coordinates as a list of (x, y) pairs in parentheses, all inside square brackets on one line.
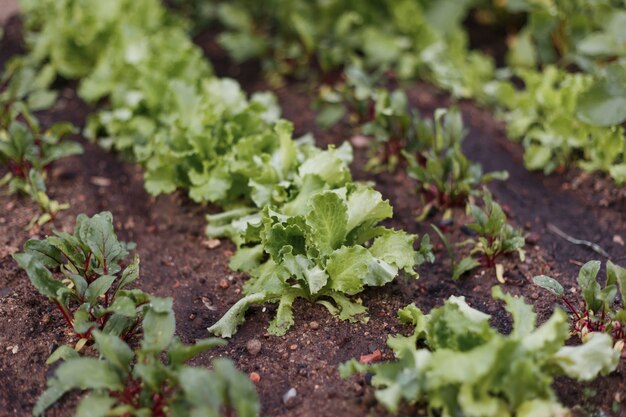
[(469, 368), (322, 244), (598, 312), (81, 274), (152, 378)]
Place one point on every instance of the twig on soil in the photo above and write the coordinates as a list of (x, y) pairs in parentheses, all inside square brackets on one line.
[(594, 246)]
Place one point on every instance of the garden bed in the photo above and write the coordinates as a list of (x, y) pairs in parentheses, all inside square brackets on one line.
[(179, 261)]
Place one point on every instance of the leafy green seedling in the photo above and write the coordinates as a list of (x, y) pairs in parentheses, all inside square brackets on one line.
[(151, 380), (25, 148), (88, 285), (598, 312), (469, 368), (458, 268), (446, 177), (495, 236)]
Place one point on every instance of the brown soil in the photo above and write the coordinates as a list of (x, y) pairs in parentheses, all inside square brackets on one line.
[(168, 231)]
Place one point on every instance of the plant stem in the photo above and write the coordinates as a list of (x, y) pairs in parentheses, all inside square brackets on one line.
[(67, 317)]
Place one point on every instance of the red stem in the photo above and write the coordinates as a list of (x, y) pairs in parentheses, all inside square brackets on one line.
[(67, 317), (572, 309)]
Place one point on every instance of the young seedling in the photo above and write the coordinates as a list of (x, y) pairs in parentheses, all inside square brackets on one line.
[(25, 148), (151, 380), (495, 236), (446, 177), (81, 274), (598, 312)]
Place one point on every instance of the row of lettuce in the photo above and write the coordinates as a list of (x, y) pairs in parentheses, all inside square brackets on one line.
[(561, 116), (304, 229)]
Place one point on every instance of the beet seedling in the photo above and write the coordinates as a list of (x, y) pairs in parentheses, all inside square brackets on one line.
[(151, 380), (495, 236), (446, 177), (598, 312), (88, 285), (25, 148)]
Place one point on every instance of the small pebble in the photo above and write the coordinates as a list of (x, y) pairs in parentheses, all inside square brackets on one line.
[(253, 346), (224, 284), (211, 243), (289, 397), (192, 317), (314, 325), (293, 347), (254, 377)]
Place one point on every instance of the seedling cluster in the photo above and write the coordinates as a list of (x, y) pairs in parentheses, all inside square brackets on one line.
[(598, 312)]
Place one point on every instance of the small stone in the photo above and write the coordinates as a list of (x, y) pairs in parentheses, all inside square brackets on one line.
[(289, 398), (45, 319), (618, 239), (253, 346), (224, 284), (534, 296), (211, 243), (192, 317), (100, 181), (254, 377), (293, 347), (314, 325)]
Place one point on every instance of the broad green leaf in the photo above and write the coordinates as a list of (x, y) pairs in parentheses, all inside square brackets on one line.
[(95, 405), (616, 274), (39, 276), (465, 265), (586, 361), (235, 316), (327, 218), (123, 306), (180, 353), (98, 288), (524, 318), (396, 248), (130, 274), (44, 252), (99, 235), (347, 267), (589, 286), (366, 205), (78, 373), (284, 314), (158, 325), (63, 352), (549, 284), (114, 350)]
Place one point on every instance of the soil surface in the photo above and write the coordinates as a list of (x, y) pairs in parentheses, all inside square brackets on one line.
[(176, 261)]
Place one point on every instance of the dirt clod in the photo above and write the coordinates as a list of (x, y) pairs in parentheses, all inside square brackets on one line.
[(254, 346)]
